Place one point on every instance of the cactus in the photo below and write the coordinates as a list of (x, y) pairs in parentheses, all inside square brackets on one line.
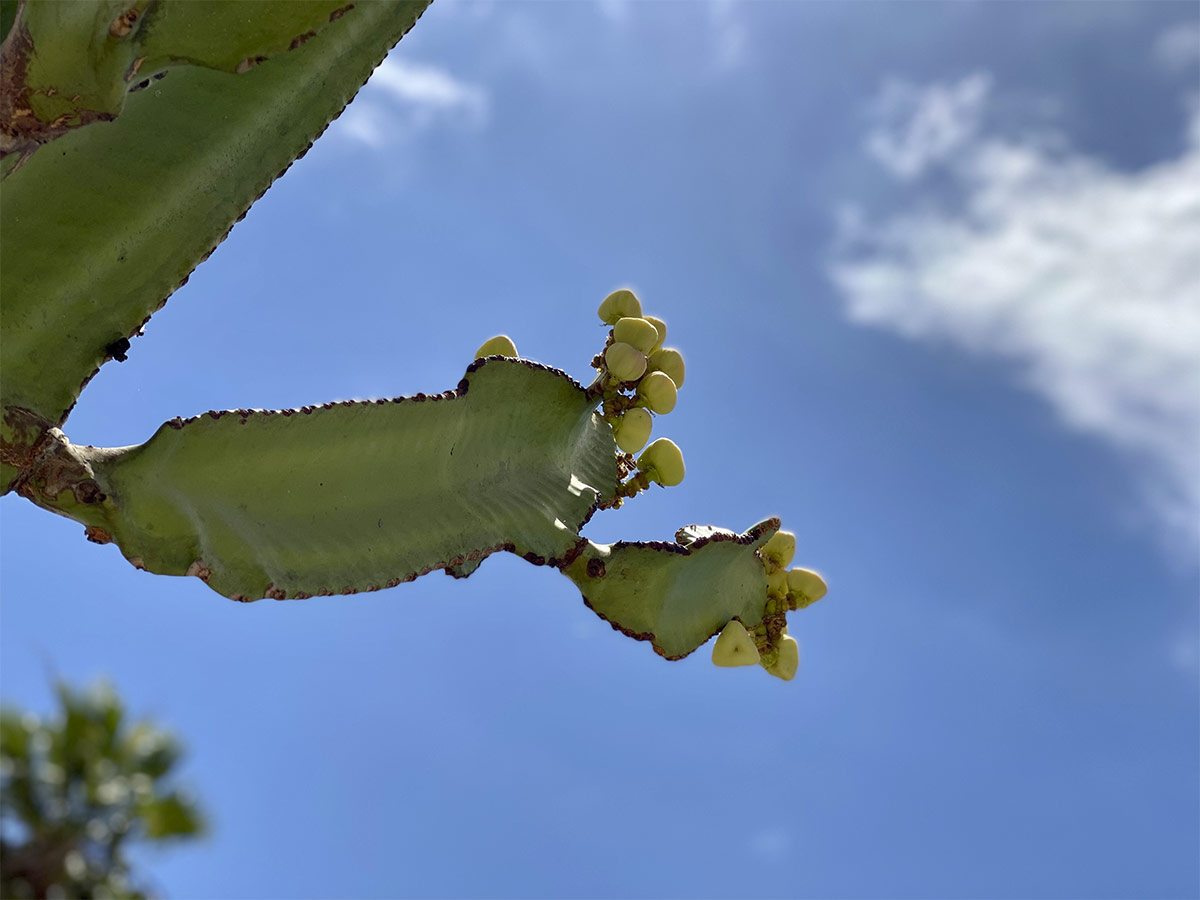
[(330, 499)]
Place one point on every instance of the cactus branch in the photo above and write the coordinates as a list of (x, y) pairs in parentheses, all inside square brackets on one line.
[(349, 496), (98, 233)]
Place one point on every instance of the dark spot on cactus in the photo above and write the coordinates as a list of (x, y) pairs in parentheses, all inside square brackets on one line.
[(123, 24), (133, 69), (241, 598), (140, 86), (159, 76), (247, 64), (301, 39), (87, 491), (595, 568), (532, 557), (97, 535), (117, 349), (338, 13), (274, 593)]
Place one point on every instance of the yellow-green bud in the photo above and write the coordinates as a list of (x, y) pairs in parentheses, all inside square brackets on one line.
[(657, 392), (635, 332), (619, 304), (625, 363), (669, 361), (777, 584), (632, 430), (661, 327), (500, 345), (807, 586), (787, 661), (779, 550), (734, 646), (662, 461)]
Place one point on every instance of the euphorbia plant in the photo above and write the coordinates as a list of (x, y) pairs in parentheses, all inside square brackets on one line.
[(112, 196)]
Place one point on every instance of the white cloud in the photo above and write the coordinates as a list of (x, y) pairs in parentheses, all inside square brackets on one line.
[(403, 98), (920, 127), (1087, 277), (1178, 48)]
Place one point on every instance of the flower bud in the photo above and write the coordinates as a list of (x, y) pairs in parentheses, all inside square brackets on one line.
[(619, 304), (661, 327), (657, 392), (625, 363), (632, 430), (777, 584), (787, 661), (500, 345), (669, 361), (779, 550), (734, 646), (636, 332), (662, 461), (808, 587)]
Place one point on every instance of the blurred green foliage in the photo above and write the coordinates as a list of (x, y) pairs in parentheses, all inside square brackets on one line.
[(75, 792)]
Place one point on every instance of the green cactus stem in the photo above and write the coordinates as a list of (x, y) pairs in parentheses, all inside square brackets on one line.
[(676, 595), (352, 496), (99, 232)]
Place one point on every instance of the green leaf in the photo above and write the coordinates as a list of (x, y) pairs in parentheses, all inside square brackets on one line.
[(354, 496), (104, 224), (170, 816), (676, 595)]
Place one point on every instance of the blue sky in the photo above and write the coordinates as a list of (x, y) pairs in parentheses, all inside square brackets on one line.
[(934, 271)]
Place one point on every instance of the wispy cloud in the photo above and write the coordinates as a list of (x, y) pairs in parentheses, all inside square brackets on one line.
[(1087, 277), (615, 11), (770, 844), (916, 128), (404, 98), (730, 33), (1183, 651), (1178, 48)]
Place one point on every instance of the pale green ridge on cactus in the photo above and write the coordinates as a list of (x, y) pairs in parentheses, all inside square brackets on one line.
[(690, 534), (74, 61), (676, 595), (356, 496), (99, 231)]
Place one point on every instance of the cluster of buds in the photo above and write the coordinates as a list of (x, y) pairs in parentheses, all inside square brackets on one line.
[(768, 644), (639, 378)]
